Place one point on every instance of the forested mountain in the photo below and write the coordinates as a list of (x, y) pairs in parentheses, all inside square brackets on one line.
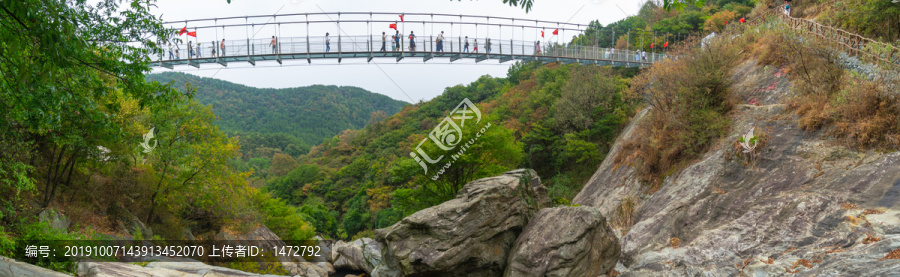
[(309, 114)]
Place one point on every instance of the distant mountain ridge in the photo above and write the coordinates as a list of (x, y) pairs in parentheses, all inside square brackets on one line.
[(310, 113)]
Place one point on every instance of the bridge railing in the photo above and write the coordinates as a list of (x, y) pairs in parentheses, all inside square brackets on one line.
[(424, 44)]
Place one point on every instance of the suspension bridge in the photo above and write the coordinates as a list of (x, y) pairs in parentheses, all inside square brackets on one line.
[(358, 35)]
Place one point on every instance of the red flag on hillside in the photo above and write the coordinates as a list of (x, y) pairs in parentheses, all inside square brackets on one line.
[(741, 20), (556, 32), (726, 22), (393, 26), (666, 45), (651, 45), (183, 30), (542, 33), (401, 18), (193, 34)]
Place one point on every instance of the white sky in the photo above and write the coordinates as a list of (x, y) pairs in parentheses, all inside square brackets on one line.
[(409, 80)]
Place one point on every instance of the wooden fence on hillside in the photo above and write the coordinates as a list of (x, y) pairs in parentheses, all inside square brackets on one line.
[(854, 44)]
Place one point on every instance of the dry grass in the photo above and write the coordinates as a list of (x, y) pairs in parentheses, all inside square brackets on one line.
[(849, 206), (689, 99), (893, 255), (872, 211), (860, 113), (625, 214), (870, 239), (674, 242)]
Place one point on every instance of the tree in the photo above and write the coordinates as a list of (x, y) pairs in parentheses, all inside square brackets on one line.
[(681, 4), (190, 163), (282, 164), (58, 61), (494, 151), (525, 4)]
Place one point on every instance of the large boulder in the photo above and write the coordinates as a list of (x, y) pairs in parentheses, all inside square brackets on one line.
[(12, 267), (466, 236), (55, 219), (358, 255), (564, 241), (264, 238)]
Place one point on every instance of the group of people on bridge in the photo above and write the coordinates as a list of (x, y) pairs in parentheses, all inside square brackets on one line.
[(218, 48), (195, 51)]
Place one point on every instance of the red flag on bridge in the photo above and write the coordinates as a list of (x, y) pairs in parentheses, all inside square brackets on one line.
[(666, 45), (542, 33), (393, 26), (556, 32), (741, 20), (401, 18), (193, 34), (183, 30)]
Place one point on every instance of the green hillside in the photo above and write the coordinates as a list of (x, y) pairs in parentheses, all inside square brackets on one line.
[(309, 114)]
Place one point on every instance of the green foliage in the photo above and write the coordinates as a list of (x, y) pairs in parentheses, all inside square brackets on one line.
[(40, 233), (323, 219), (289, 120), (284, 220), (291, 186), (555, 119), (877, 19), (681, 4)]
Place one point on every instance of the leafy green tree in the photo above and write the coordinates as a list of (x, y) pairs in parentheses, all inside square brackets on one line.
[(291, 186), (282, 164), (191, 159), (59, 59)]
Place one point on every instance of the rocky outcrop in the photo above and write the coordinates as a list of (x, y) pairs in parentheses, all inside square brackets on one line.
[(564, 241), (798, 204), (11, 267), (470, 235), (359, 255), (55, 219), (264, 238), (134, 227)]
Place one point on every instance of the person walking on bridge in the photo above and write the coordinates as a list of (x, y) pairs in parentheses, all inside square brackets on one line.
[(213, 48), (274, 44), (466, 48), (397, 40), (383, 41), (487, 46), (412, 42), (198, 51), (190, 49), (440, 42), (327, 43), (537, 48), (171, 51), (787, 8), (222, 48), (476, 46)]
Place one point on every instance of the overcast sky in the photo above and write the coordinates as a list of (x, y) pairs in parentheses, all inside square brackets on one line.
[(409, 80)]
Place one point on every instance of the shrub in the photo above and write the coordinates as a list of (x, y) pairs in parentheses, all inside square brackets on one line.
[(689, 99), (857, 111)]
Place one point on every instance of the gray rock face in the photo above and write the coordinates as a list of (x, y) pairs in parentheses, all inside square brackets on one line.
[(56, 220), (360, 255), (564, 241), (769, 215), (134, 226), (470, 235), (11, 267)]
